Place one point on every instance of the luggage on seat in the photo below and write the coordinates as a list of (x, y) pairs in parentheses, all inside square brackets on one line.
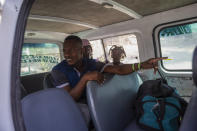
[(159, 107)]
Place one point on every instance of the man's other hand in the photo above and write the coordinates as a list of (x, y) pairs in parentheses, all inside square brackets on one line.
[(152, 63)]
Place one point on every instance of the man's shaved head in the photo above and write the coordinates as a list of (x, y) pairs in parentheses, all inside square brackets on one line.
[(74, 39), (72, 49)]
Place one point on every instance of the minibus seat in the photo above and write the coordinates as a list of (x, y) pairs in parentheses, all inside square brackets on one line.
[(190, 117), (194, 66), (133, 126), (111, 104), (48, 81), (52, 110), (33, 82)]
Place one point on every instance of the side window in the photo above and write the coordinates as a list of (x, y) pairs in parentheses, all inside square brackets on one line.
[(178, 43), (97, 50), (39, 57), (128, 43)]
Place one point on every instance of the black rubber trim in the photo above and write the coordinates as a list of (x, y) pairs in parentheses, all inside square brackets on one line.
[(16, 64), (154, 40), (194, 66)]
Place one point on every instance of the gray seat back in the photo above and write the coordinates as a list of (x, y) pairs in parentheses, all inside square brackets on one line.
[(190, 117), (48, 81), (194, 66), (111, 105), (52, 110)]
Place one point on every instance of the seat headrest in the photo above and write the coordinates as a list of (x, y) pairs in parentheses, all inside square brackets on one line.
[(194, 66), (52, 110)]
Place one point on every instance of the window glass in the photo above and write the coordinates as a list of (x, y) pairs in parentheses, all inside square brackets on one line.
[(97, 50), (39, 57), (128, 44), (178, 43)]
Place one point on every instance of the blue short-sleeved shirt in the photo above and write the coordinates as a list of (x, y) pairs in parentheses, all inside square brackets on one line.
[(64, 74)]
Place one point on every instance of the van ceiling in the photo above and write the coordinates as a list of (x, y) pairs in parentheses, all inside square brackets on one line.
[(71, 16)]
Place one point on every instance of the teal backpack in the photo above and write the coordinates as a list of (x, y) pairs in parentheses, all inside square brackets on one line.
[(159, 107)]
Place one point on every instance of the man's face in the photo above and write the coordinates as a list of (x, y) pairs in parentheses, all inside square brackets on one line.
[(72, 52)]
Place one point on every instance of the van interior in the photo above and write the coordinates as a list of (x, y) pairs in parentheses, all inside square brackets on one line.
[(144, 29)]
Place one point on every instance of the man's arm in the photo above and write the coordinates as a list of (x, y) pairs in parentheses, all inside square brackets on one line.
[(127, 68), (77, 91)]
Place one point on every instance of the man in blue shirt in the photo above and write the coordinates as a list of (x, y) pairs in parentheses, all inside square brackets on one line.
[(74, 72)]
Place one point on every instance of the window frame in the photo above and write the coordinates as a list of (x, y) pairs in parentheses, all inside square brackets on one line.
[(102, 47), (157, 44), (40, 41), (15, 89), (120, 36)]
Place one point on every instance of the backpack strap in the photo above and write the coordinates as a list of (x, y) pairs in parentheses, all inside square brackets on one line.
[(159, 110)]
